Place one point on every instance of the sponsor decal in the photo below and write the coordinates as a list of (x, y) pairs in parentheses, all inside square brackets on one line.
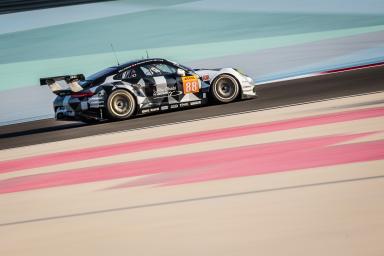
[(205, 77), (190, 84), (164, 91), (174, 93), (144, 111), (186, 104), (69, 113), (193, 103), (84, 105), (96, 102), (174, 106), (154, 109), (164, 107)]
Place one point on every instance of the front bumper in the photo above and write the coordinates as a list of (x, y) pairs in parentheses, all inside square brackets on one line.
[(248, 90)]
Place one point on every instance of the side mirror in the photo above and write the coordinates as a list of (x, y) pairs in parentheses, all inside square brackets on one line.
[(180, 72)]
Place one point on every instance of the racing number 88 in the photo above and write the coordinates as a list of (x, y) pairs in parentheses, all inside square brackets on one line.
[(191, 85)]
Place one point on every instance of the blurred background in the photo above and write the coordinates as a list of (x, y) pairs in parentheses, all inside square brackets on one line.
[(297, 171), (268, 39)]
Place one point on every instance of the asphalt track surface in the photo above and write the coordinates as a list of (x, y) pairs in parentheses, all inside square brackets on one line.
[(274, 95)]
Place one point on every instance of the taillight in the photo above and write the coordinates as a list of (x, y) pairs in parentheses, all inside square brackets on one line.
[(82, 94)]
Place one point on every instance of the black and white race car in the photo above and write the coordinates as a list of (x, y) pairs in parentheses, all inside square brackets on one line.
[(144, 86)]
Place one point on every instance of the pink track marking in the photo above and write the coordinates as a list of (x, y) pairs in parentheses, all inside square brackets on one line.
[(299, 156), (183, 139), (234, 162), (289, 161)]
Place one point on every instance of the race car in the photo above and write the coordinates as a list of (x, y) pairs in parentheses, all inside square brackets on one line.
[(144, 86)]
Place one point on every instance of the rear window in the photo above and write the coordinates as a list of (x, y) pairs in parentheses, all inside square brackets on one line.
[(102, 73)]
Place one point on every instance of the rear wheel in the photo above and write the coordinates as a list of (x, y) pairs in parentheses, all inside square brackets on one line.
[(121, 105), (225, 89)]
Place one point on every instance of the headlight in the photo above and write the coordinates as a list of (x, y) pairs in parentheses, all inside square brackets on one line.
[(247, 78)]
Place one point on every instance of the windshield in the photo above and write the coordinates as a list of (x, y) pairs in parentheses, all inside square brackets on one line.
[(186, 68)]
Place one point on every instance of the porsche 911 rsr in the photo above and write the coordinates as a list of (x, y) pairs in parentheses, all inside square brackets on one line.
[(144, 86)]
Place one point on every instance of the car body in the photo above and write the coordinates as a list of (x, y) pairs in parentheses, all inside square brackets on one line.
[(144, 86)]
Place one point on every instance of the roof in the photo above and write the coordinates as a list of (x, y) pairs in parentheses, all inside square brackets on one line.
[(139, 61)]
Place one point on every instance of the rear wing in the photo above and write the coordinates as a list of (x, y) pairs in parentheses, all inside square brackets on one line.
[(63, 83)]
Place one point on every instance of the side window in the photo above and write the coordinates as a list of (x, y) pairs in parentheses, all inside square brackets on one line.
[(146, 70), (119, 76), (155, 71), (158, 69), (165, 69), (129, 74)]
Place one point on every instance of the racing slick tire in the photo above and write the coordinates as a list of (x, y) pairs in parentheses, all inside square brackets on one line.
[(120, 105), (225, 88)]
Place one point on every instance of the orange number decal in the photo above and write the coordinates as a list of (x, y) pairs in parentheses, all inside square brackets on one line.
[(190, 84)]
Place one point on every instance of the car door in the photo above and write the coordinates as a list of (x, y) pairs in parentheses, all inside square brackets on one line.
[(188, 84), (161, 86)]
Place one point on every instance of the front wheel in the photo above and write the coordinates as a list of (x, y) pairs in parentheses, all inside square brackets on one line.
[(120, 105), (225, 89)]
